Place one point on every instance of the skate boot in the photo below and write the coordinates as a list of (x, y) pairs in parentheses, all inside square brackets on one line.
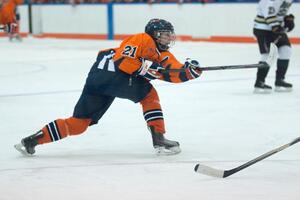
[(18, 38), (163, 146), (27, 145), (282, 86), (15, 38), (10, 38), (262, 88)]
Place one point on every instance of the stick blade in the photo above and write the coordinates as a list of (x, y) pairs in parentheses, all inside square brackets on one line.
[(272, 57), (209, 171)]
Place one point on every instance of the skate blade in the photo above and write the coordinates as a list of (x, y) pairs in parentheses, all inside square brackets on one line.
[(283, 89), (161, 151), (262, 91), (15, 40), (19, 147)]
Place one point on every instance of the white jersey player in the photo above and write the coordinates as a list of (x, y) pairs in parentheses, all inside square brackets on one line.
[(270, 25)]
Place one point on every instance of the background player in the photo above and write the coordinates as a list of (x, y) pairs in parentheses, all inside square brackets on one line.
[(124, 72), (9, 18), (271, 23)]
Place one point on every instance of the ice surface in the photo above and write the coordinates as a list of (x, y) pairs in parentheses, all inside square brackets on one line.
[(216, 118)]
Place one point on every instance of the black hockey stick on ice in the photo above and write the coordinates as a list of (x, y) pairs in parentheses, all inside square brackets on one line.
[(269, 62), (209, 171)]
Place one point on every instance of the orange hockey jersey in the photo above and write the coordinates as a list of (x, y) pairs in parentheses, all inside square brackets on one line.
[(128, 57), (7, 11)]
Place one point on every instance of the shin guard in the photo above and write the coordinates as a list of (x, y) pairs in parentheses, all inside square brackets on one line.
[(61, 128), (152, 111)]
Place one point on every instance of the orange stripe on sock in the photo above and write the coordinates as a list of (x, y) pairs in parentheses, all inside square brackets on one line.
[(77, 126), (159, 125), (46, 136)]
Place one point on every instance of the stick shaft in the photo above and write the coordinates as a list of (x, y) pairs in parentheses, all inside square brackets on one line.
[(255, 160), (224, 67), (209, 171)]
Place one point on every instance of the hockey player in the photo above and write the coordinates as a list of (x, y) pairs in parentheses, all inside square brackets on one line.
[(9, 18), (124, 72), (6, 16), (270, 25)]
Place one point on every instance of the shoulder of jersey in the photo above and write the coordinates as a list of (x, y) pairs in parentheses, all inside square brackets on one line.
[(148, 45), (143, 37)]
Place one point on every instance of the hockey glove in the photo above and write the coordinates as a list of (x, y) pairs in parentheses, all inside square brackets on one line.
[(149, 69), (289, 22), (10, 28), (193, 67)]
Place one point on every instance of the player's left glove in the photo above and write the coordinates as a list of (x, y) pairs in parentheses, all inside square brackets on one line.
[(193, 67), (149, 69), (10, 28), (289, 22)]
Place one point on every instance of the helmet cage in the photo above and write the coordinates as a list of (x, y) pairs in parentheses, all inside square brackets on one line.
[(165, 39)]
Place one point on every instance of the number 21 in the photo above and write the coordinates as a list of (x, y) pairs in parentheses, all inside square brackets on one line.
[(129, 51)]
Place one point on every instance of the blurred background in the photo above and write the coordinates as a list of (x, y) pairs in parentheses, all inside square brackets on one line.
[(194, 20)]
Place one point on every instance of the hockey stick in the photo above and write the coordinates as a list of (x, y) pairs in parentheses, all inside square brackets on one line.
[(209, 171), (269, 62)]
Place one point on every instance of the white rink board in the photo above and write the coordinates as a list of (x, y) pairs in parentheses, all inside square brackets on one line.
[(195, 20)]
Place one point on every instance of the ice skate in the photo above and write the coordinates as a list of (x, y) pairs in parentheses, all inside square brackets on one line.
[(27, 145), (262, 88), (15, 38), (163, 146), (282, 86)]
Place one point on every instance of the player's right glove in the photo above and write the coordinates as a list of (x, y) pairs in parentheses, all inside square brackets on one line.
[(289, 22), (149, 70), (193, 67), (10, 28)]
